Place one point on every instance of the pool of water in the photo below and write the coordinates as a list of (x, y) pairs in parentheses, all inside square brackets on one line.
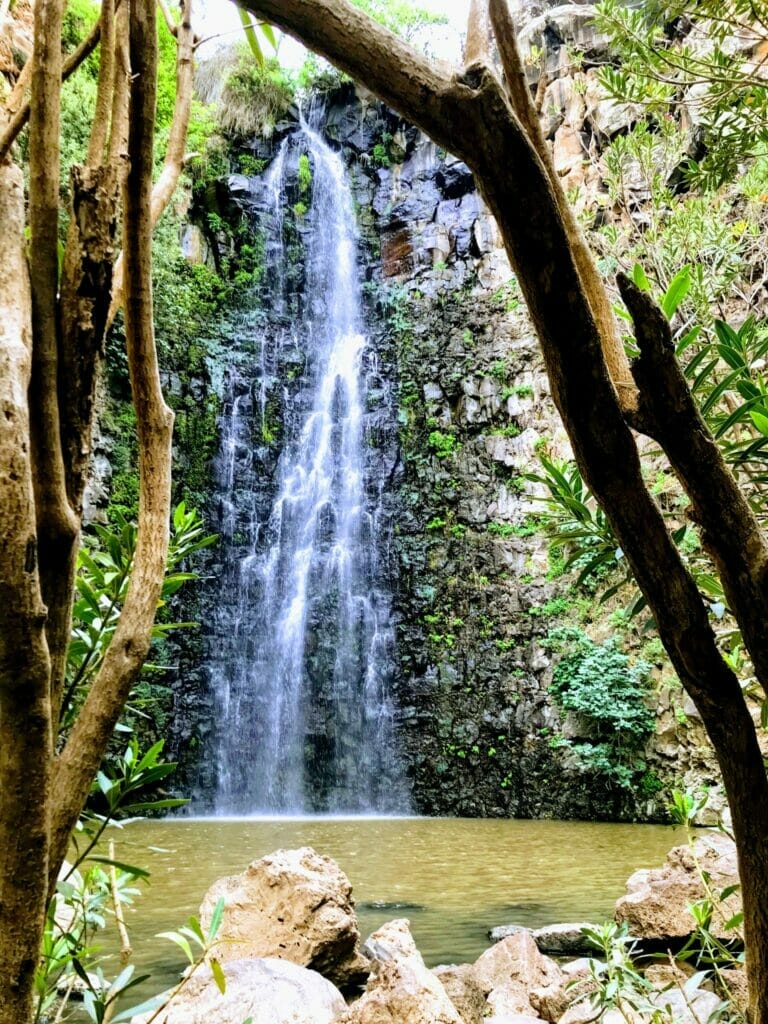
[(454, 879)]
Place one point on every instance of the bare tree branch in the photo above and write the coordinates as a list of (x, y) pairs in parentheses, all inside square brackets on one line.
[(57, 526), (730, 531), (525, 108), (20, 114), (122, 663), (173, 164)]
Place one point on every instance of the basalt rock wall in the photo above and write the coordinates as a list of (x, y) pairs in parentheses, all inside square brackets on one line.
[(475, 594)]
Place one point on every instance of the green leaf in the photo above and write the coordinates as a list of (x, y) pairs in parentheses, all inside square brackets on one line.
[(678, 288), (180, 941), (250, 35), (216, 918), (130, 869), (640, 279), (218, 975), (760, 421)]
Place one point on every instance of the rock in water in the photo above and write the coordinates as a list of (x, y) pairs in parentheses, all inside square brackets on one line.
[(508, 973), (295, 905), (267, 991), (657, 900), (401, 988)]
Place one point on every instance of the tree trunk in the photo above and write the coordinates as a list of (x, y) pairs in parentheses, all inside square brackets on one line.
[(57, 527), (25, 728), (122, 663)]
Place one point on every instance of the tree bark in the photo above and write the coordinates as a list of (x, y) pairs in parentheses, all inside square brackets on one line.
[(25, 728), (173, 164), (122, 663), (57, 527), (470, 116)]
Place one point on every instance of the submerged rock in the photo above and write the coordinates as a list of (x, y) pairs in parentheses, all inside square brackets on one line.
[(266, 991), (294, 905), (556, 939)]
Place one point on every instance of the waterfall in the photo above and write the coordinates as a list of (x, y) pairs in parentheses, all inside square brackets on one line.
[(300, 649)]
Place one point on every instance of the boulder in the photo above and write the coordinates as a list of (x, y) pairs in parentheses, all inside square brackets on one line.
[(463, 991), (687, 1009), (509, 971), (401, 988), (294, 905), (570, 993), (657, 900), (267, 991)]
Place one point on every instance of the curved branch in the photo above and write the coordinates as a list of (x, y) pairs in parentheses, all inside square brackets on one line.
[(525, 108), (730, 530), (21, 115)]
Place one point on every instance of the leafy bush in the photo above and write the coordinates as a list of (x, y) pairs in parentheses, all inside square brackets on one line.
[(597, 682)]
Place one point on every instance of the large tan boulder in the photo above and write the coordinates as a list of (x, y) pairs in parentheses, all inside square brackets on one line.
[(510, 971), (463, 991), (400, 988), (295, 905), (657, 899), (268, 991)]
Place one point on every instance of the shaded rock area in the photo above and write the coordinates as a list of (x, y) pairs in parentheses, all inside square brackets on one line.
[(566, 939), (291, 904)]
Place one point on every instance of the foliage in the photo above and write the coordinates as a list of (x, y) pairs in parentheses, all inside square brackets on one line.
[(93, 887), (597, 682), (725, 367), (695, 55), (401, 16), (443, 444), (672, 227), (254, 96), (102, 583), (304, 176), (616, 982)]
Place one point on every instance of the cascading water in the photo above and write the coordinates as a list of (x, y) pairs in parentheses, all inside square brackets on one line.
[(301, 647)]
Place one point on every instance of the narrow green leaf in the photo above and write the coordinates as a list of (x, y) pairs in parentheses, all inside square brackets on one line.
[(760, 421), (250, 35), (130, 869), (640, 279), (218, 975), (216, 918), (180, 941), (678, 288)]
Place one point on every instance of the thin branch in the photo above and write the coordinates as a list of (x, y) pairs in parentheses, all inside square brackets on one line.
[(70, 65), (100, 124), (525, 108)]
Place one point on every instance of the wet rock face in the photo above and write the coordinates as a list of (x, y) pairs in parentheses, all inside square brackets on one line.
[(472, 409)]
